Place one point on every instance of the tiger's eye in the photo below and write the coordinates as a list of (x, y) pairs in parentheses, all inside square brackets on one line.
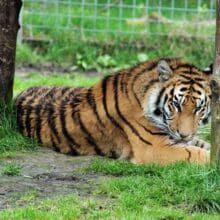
[(176, 104), (157, 112), (198, 108), (205, 121)]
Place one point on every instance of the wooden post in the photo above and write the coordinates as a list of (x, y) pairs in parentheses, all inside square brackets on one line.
[(9, 14), (215, 85)]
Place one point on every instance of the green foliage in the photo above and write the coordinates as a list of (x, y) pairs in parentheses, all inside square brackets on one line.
[(78, 54), (11, 169), (106, 61), (26, 54), (81, 62)]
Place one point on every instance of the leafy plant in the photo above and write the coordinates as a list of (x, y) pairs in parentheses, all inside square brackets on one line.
[(81, 62), (106, 61)]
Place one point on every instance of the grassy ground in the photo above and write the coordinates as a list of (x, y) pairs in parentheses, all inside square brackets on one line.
[(180, 191)]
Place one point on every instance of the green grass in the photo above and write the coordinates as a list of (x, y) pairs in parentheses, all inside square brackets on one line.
[(36, 79), (195, 188), (178, 191), (95, 18), (66, 208), (26, 55), (89, 50), (72, 207), (29, 196), (76, 54), (11, 141), (11, 169)]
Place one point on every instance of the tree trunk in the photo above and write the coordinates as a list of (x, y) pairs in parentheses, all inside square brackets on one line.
[(9, 14), (215, 85)]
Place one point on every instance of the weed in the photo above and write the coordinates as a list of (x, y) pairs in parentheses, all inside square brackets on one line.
[(12, 169), (26, 54), (28, 196), (10, 138)]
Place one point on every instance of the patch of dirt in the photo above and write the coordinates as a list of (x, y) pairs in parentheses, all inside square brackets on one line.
[(46, 174), (44, 68), (48, 68)]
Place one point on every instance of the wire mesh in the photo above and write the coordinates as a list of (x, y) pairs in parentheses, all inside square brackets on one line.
[(120, 17)]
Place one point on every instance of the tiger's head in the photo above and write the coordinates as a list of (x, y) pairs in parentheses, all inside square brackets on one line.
[(179, 101)]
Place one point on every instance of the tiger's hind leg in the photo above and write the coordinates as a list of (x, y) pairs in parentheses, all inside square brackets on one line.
[(126, 154), (122, 146)]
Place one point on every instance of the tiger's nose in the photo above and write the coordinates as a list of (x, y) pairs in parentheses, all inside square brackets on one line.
[(183, 136)]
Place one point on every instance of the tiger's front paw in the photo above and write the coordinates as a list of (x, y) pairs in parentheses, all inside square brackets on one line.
[(199, 143), (204, 156), (198, 155)]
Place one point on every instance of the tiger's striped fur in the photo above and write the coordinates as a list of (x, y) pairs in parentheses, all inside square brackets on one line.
[(147, 114)]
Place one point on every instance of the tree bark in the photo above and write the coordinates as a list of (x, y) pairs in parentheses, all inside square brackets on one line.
[(9, 14), (215, 85)]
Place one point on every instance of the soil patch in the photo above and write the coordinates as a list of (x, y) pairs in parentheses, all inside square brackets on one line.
[(46, 174), (49, 68)]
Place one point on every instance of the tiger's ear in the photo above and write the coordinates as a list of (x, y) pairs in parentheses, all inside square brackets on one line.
[(208, 70), (164, 70)]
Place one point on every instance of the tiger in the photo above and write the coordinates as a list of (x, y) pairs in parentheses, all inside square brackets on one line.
[(148, 113)]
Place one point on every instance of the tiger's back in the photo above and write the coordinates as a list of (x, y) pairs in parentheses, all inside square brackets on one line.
[(130, 114)]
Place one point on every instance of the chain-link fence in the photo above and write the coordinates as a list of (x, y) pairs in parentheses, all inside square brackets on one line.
[(196, 18)]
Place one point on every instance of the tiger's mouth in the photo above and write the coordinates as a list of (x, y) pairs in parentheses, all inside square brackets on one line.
[(175, 136)]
